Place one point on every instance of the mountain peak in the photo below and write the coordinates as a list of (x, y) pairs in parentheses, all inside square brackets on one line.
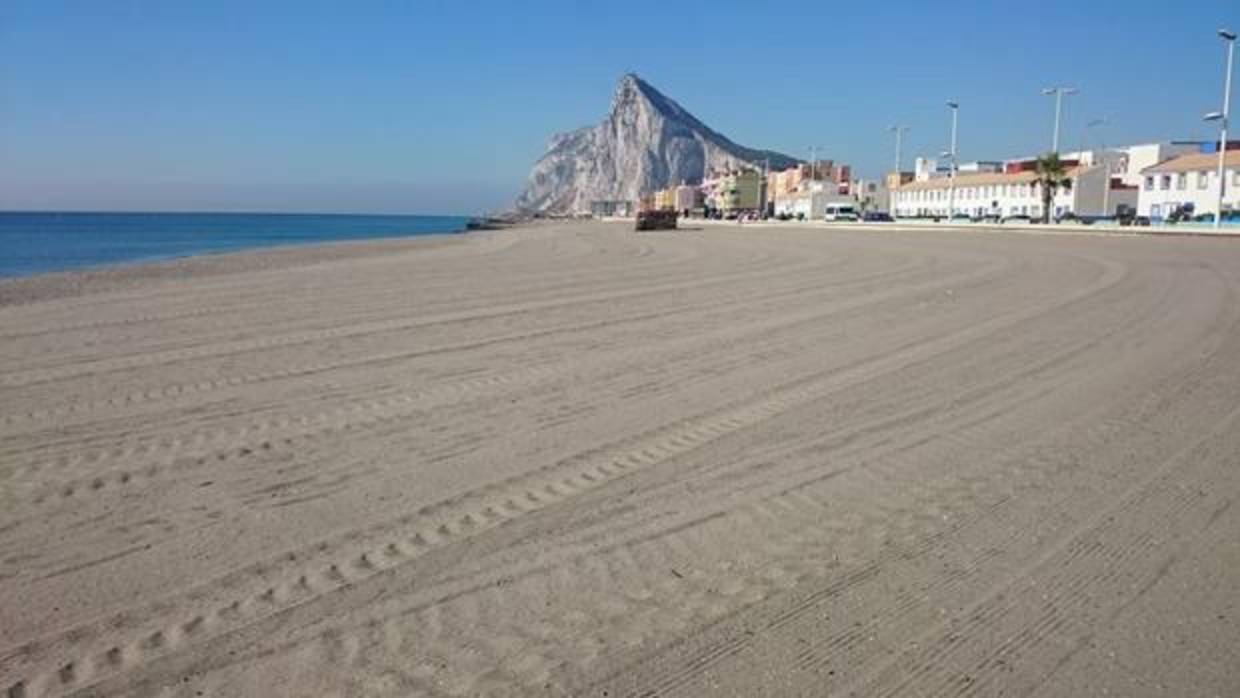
[(632, 89), (647, 142)]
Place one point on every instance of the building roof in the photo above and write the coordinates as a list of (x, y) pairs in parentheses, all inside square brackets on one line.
[(979, 180), (1194, 161)]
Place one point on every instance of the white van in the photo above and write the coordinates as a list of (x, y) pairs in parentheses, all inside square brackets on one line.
[(840, 212)]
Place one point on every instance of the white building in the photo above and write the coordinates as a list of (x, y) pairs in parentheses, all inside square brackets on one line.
[(929, 168), (1131, 161), (871, 194), (978, 167), (810, 199), (1189, 179), (1092, 193)]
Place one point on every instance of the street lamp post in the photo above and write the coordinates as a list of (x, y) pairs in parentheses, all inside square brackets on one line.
[(813, 162), (899, 131), (951, 188), (1222, 117), (1059, 92), (813, 177)]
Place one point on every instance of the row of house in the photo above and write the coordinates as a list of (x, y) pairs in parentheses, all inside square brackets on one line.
[(1153, 180), (1150, 180), (803, 190)]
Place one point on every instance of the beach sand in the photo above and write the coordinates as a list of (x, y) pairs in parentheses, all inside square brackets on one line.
[(567, 459)]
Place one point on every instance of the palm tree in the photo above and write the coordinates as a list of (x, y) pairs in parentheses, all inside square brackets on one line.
[(1051, 177)]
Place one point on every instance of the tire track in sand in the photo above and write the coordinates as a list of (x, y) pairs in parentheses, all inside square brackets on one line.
[(352, 329), (790, 532), (286, 432), (73, 660), (177, 390)]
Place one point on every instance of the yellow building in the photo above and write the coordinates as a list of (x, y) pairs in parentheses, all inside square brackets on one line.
[(741, 191)]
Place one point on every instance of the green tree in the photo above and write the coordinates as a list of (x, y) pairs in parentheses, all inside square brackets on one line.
[(1051, 177)]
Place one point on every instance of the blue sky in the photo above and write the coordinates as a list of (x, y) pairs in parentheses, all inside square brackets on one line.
[(442, 107)]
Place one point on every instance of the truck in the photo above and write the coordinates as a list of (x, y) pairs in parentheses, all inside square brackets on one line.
[(655, 220)]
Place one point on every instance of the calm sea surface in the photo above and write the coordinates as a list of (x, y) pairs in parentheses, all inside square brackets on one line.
[(32, 243)]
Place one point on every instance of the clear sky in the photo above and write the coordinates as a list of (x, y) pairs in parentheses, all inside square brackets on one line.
[(442, 107)]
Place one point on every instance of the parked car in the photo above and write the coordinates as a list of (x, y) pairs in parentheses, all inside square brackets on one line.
[(840, 212), (1228, 217), (1181, 214), (876, 217), (1016, 218), (960, 217)]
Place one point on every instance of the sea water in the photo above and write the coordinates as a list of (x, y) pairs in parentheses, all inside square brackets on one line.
[(37, 242)]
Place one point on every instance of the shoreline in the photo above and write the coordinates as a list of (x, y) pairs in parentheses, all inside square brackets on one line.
[(51, 285)]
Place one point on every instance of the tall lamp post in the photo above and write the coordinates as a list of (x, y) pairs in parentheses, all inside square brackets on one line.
[(951, 188), (813, 162), (899, 131), (1221, 117), (1059, 92)]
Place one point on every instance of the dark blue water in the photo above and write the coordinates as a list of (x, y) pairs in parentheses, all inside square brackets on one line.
[(32, 243)]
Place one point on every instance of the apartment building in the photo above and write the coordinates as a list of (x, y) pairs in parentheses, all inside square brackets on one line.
[(810, 200), (1013, 192), (1190, 180), (738, 190)]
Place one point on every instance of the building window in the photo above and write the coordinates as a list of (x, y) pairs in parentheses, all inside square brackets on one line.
[(1165, 184), (1235, 178), (1149, 182), (1203, 179), (1181, 181)]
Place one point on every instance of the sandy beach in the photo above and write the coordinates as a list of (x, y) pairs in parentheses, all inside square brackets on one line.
[(567, 459)]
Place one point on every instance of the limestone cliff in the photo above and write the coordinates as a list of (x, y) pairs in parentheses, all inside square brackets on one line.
[(647, 142)]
